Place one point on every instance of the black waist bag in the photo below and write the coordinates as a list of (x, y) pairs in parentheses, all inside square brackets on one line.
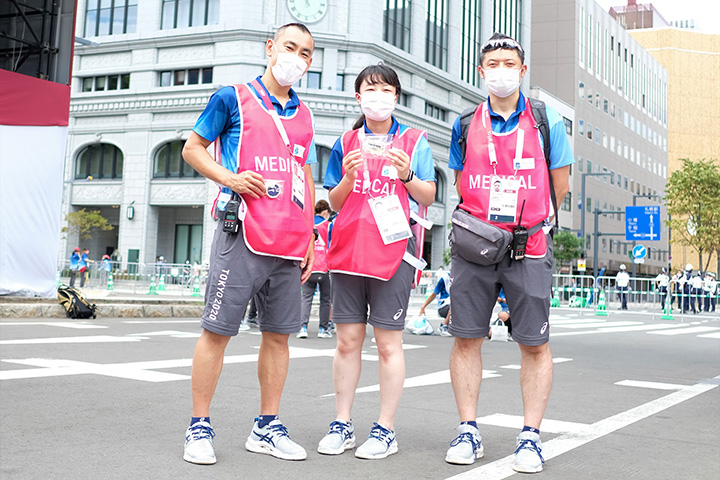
[(477, 241)]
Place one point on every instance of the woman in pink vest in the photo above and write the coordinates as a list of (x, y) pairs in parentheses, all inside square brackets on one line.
[(378, 174)]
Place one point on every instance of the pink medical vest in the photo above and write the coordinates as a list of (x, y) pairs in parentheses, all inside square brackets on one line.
[(477, 173), (274, 225), (357, 247), (321, 248)]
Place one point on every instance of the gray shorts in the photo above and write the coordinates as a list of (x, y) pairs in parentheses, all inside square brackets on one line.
[(388, 300), (527, 285), (236, 275)]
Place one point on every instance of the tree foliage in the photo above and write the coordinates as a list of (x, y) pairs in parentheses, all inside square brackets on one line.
[(566, 247), (85, 223), (692, 196)]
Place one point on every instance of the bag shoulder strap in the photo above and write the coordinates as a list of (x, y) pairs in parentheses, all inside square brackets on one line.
[(465, 119), (541, 123)]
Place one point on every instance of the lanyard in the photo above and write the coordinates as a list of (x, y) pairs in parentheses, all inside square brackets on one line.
[(366, 170), (264, 96), (492, 154)]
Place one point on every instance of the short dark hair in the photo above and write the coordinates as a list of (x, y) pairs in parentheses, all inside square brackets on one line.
[(321, 206), (299, 26), (501, 41), (373, 74)]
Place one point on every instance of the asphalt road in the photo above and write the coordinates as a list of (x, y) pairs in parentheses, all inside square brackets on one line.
[(634, 397)]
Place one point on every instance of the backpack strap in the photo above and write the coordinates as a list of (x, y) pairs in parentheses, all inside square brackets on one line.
[(541, 123), (465, 118)]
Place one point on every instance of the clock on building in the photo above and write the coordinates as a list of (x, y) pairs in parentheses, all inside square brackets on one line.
[(307, 11)]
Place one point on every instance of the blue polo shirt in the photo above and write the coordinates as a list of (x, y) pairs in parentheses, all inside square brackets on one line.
[(221, 118), (421, 161), (441, 292), (74, 261), (560, 152)]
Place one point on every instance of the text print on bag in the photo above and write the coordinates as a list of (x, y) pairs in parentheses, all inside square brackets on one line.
[(217, 301)]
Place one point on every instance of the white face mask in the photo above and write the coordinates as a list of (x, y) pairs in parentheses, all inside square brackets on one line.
[(377, 106), (502, 82), (289, 68)]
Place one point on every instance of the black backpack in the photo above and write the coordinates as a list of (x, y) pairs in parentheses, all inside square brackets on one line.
[(540, 115), (74, 302)]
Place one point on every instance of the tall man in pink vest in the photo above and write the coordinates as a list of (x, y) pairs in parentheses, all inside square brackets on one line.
[(263, 244), (505, 150)]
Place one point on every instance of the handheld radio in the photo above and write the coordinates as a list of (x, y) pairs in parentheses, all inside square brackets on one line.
[(231, 222), (520, 238)]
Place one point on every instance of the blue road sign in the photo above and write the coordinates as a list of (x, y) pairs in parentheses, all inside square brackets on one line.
[(642, 223), (639, 251)]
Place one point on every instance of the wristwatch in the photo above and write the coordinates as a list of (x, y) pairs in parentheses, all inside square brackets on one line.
[(411, 175)]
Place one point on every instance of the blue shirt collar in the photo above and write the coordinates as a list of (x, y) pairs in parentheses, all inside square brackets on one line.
[(294, 101), (393, 128), (518, 109)]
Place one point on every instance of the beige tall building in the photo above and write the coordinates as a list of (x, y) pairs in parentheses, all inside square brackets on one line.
[(692, 61)]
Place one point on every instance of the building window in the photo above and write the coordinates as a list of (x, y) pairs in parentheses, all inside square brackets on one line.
[(340, 82), (435, 111), (439, 186), (568, 125), (567, 203), (310, 80), (192, 76), (436, 35), (396, 23), (169, 162), (110, 17), (507, 18), (581, 127), (99, 161), (471, 41), (589, 131), (318, 169), (106, 82), (581, 90), (404, 99), (189, 13), (188, 244)]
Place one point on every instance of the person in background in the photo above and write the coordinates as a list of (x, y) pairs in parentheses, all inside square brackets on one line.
[(85, 266), (696, 291), (105, 269), (662, 281), (320, 277), (622, 280), (710, 290), (442, 293), (74, 265)]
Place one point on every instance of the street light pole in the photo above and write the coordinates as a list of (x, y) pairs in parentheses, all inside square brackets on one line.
[(582, 204)]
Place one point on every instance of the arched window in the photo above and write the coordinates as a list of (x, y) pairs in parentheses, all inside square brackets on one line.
[(99, 161), (169, 162), (439, 186)]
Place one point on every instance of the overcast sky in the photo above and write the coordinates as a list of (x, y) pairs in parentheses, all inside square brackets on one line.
[(705, 12)]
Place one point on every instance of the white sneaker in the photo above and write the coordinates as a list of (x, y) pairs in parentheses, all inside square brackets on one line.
[(199, 444), (380, 444), (339, 438), (466, 447), (244, 327), (324, 333), (528, 456), (303, 332), (273, 439)]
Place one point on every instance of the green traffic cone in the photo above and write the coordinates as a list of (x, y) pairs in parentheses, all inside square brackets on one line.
[(554, 302), (161, 285), (110, 284), (601, 309), (667, 313), (196, 287), (153, 288)]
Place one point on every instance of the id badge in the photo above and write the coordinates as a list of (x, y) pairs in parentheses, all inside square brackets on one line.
[(502, 206), (298, 185), (390, 219)]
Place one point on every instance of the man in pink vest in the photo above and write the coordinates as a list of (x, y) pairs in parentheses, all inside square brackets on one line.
[(263, 245), (504, 181)]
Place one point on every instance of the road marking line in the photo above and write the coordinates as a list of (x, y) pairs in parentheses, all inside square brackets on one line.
[(75, 325), (143, 322), (710, 335), (556, 323), (634, 328), (167, 333), (517, 422), (502, 468), (596, 324), (654, 385), (436, 378), (87, 339), (555, 360), (683, 331)]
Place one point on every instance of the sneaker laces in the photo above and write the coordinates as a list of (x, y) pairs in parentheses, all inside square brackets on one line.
[(380, 433), (341, 428), (200, 431), (465, 437), (528, 444)]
